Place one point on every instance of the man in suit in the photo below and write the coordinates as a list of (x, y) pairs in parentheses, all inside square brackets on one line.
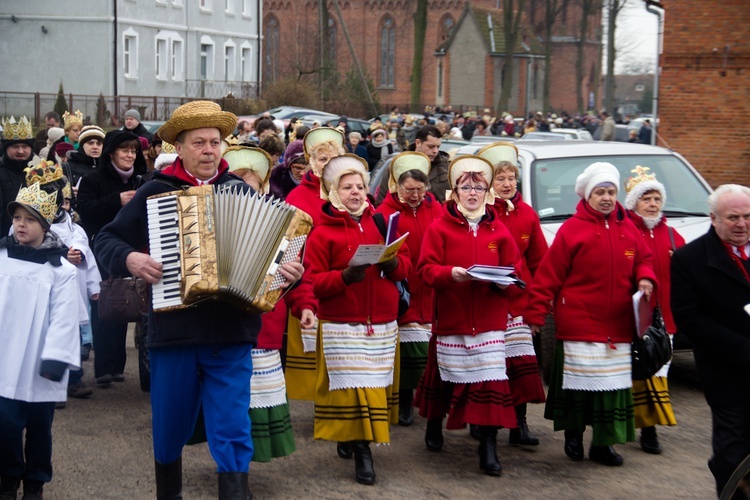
[(711, 306)]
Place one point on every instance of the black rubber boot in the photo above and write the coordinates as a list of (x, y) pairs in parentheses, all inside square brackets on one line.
[(574, 444), (32, 490), (433, 436), (364, 469), (9, 487), (605, 455), (344, 449), (233, 486), (488, 461), (168, 480), (521, 435), (405, 408)]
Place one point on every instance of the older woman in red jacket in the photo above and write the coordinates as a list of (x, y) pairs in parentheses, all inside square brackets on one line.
[(645, 199), (358, 307), (523, 224), (596, 263), (409, 196), (465, 375)]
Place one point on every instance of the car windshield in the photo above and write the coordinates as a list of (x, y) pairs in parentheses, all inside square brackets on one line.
[(553, 184)]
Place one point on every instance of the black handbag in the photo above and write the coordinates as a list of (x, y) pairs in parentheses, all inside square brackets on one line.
[(652, 350), (123, 299)]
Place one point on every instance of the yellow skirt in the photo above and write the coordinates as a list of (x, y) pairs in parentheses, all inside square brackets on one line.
[(300, 373), (361, 414), (651, 405)]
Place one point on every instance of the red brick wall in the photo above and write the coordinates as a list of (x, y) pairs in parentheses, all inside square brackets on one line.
[(704, 104)]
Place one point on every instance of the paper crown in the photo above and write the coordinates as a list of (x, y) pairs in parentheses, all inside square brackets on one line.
[(640, 184), (44, 173), (499, 152), (34, 197), (17, 130), (167, 147), (641, 175), (70, 119), (403, 162), (254, 159)]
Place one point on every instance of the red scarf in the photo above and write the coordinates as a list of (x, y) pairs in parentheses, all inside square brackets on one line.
[(736, 259), (178, 171)]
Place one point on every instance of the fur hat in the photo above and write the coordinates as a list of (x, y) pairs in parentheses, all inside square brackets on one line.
[(595, 174), (197, 114), (89, 132), (640, 184), (132, 113)]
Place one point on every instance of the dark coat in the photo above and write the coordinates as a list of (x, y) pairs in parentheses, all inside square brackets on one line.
[(208, 322), (140, 131), (709, 293), (12, 177)]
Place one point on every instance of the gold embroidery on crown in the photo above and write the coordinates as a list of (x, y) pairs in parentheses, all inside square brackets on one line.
[(44, 203), (16, 130), (43, 173), (641, 175), (69, 119)]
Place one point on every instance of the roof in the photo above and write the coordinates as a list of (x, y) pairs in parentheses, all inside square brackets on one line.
[(490, 24)]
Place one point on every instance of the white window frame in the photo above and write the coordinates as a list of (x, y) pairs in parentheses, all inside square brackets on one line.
[(161, 3), (205, 5), (168, 56), (230, 61), (177, 56), (161, 57), (131, 55), (246, 63), (208, 41), (229, 7), (247, 10), (178, 3)]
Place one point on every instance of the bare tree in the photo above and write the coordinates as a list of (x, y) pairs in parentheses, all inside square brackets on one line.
[(614, 7), (588, 9), (552, 9), (512, 11), (420, 31)]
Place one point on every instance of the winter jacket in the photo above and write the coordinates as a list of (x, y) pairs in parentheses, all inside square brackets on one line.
[(470, 307), (140, 131), (658, 241), (306, 197), (523, 224), (12, 178), (590, 272), (78, 165), (415, 221), (300, 297), (209, 321), (330, 247)]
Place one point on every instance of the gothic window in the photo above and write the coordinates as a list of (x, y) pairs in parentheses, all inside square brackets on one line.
[(446, 26), (387, 53)]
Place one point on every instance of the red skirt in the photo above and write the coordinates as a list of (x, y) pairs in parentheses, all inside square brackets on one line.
[(525, 382), (486, 403)]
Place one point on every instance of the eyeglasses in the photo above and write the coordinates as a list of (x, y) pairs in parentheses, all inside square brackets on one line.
[(478, 189), (410, 191)]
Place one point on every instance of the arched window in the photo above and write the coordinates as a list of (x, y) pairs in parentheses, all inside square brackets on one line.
[(446, 26), (271, 49), (387, 53)]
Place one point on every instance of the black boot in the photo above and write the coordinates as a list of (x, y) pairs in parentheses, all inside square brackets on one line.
[(405, 408), (9, 487), (522, 435), (364, 469), (605, 455), (233, 486), (649, 441), (433, 436), (32, 490), (574, 444), (169, 480), (488, 461), (344, 449), (474, 431)]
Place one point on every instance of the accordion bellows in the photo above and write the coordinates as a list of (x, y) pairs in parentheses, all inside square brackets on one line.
[(222, 243)]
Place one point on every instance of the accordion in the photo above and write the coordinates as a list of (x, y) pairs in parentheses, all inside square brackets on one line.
[(222, 243)]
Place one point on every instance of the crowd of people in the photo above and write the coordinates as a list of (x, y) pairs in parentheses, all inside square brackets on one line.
[(460, 350)]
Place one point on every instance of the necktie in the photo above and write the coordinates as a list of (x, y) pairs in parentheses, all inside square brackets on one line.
[(743, 254)]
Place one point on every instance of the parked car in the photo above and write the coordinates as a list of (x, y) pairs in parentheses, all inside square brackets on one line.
[(285, 113), (545, 136), (578, 134), (355, 124), (622, 133), (153, 125), (489, 139)]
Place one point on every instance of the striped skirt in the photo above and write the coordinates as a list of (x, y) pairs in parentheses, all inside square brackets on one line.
[(414, 340), (608, 412), (651, 404), (521, 364), (300, 371)]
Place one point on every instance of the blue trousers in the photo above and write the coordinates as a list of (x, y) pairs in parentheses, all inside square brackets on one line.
[(183, 378), (32, 461)]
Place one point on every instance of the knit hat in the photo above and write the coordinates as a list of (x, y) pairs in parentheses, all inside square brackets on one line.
[(337, 168), (62, 148), (595, 174), (640, 184), (404, 162), (89, 132), (293, 152), (133, 113), (56, 133)]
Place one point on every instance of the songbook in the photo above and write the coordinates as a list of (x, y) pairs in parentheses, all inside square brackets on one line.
[(377, 254), (643, 313), (501, 275)]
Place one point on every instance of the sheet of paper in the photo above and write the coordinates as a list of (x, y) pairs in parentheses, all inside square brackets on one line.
[(502, 275), (375, 254), (643, 312)]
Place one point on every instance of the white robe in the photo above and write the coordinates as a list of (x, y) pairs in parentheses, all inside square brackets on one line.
[(39, 322)]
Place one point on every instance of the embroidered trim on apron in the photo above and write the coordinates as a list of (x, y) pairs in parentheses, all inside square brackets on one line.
[(356, 358), (595, 366), (465, 359), (309, 337), (414, 332), (267, 387), (518, 338)]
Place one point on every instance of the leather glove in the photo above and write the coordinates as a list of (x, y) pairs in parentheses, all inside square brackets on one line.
[(354, 274), (389, 265)]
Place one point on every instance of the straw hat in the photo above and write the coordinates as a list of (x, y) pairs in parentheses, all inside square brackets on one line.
[(499, 152), (197, 114), (254, 159), (318, 136), (403, 162), (338, 167)]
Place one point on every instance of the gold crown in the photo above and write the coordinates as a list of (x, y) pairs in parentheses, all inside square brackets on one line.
[(16, 130), (70, 119), (67, 191), (44, 173), (35, 197), (167, 147), (641, 175)]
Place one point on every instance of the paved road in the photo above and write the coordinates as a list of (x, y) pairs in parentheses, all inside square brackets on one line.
[(102, 449)]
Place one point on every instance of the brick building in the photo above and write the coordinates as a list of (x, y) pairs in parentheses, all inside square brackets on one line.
[(382, 37), (704, 107)]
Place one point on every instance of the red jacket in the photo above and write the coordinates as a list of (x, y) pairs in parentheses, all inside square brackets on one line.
[(330, 247), (415, 222), (473, 306), (523, 224), (306, 197), (300, 297), (658, 241), (591, 272)]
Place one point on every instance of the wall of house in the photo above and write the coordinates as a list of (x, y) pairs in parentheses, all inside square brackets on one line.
[(705, 96), (467, 74)]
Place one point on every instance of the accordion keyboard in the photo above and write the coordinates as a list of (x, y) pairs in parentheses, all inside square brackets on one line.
[(164, 247)]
